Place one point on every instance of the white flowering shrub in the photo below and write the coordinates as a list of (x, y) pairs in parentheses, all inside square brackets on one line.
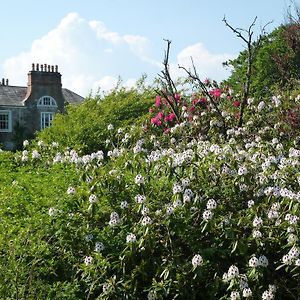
[(183, 213)]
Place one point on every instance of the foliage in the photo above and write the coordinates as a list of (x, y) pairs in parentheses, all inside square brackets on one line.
[(84, 127)]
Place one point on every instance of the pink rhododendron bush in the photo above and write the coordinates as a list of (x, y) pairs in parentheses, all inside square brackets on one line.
[(187, 206)]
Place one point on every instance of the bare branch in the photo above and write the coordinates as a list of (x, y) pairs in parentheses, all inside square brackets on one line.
[(195, 77), (169, 90), (247, 37)]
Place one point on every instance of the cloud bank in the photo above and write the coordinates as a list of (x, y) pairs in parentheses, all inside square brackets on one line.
[(91, 57)]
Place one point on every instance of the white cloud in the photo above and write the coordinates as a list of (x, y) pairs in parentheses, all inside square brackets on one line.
[(208, 65), (90, 55)]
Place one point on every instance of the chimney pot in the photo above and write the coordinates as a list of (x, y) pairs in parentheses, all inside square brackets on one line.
[(49, 68), (37, 67), (45, 67), (56, 68), (42, 68), (32, 67), (52, 69), (3, 81), (6, 81)]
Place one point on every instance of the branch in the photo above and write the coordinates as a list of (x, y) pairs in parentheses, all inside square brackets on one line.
[(251, 53), (195, 77), (169, 85)]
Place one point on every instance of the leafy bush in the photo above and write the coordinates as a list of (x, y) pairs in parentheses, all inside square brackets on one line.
[(184, 213), (84, 127)]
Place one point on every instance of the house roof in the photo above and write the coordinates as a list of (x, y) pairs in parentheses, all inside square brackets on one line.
[(14, 95)]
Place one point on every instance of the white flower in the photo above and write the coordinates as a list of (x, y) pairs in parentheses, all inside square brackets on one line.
[(257, 222), (247, 292), (139, 179), (25, 143), (35, 154), (233, 272), (256, 234), (211, 204), (24, 158), (253, 262), (114, 219), (242, 170), (197, 260), (292, 238), (207, 215), (234, 295), (124, 204), (169, 210), (110, 127), (261, 106), (225, 277), (250, 203), (88, 260), (267, 295), (99, 247), (130, 238), (185, 182), (146, 221), (71, 190), (177, 188), (287, 260), (52, 211), (140, 198), (93, 198)]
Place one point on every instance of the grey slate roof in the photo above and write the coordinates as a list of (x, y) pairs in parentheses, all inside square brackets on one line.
[(14, 95)]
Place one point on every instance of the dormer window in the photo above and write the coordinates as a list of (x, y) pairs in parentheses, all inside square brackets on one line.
[(47, 101)]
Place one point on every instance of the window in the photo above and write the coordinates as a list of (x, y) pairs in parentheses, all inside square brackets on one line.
[(47, 101), (46, 119), (5, 121)]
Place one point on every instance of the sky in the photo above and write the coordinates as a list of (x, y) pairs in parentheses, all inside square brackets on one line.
[(95, 42)]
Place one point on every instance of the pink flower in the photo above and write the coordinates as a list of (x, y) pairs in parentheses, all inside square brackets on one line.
[(157, 101), (160, 115), (151, 110), (216, 92), (170, 117), (236, 103), (155, 121)]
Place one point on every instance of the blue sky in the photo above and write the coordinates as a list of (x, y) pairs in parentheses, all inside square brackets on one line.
[(95, 41)]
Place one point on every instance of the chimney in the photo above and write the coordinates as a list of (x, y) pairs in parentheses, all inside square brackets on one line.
[(6, 81), (42, 82), (3, 81)]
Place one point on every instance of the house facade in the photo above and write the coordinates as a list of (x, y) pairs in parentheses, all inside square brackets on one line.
[(26, 110)]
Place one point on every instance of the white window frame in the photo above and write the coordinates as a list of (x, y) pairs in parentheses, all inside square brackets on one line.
[(46, 101), (9, 120), (46, 117)]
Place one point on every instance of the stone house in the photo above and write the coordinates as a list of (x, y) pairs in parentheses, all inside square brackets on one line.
[(26, 110)]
